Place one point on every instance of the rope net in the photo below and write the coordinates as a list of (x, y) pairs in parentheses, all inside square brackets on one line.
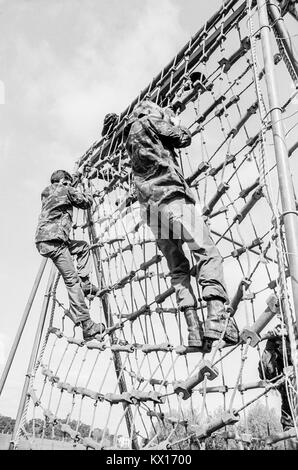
[(139, 380)]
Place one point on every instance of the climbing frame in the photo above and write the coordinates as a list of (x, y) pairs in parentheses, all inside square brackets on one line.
[(139, 379)]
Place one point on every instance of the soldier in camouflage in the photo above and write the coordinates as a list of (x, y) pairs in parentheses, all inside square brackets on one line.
[(271, 366), (170, 210), (52, 241)]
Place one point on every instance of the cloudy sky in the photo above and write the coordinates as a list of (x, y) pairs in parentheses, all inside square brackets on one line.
[(64, 65)]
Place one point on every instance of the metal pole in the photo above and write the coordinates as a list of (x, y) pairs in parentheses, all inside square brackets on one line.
[(22, 324), (279, 25), (33, 356), (109, 320), (290, 216)]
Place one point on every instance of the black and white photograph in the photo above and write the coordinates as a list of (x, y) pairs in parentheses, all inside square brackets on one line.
[(149, 261)]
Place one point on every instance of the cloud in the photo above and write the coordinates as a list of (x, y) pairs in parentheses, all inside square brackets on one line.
[(105, 77), (64, 67), (63, 76)]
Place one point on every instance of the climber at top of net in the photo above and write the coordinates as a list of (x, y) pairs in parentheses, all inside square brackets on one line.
[(169, 209), (53, 241)]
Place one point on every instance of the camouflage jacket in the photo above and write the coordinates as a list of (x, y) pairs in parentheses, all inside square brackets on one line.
[(150, 144), (272, 360), (272, 365), (55, 220)]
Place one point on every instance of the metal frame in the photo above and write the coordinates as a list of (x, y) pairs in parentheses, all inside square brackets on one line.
[(279, 26), (290, 215), (285, 183), (33, 357), (22, 324)]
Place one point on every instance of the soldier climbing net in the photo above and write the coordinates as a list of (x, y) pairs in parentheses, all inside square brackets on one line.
[(138, 379)]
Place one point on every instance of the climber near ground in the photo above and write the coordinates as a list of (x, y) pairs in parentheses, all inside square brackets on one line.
[(275, 357), (52, 241), (169, 208)]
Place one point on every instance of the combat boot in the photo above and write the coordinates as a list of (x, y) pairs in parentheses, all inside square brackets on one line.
[(194, 326), (215, 323), (91, 329), (231, 335)]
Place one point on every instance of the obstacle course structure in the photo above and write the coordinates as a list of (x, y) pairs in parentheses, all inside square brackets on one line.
[(138, 379)]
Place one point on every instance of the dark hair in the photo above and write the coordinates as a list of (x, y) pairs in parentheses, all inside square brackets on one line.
[(109, 123), (59, 175)]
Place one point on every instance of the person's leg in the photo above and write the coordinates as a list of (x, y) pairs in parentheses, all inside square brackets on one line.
[(158, 221), (179, 270), (286, 420), (286, 415), (61, 257), (64, 263), (80, 249), (188, 224)]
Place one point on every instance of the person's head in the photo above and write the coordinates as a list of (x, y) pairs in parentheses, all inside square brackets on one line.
[(169, 114), (109, 123), (61, 176), (146, 108)]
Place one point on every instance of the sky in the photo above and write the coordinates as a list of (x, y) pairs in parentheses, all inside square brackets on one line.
[(64, 65)]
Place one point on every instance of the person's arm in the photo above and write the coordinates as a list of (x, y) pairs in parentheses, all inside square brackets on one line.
[(80, 200), (176, 136)]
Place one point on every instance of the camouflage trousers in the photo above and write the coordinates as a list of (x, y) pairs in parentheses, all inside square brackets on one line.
[(286, 415), (286, 420), (178, 222), (61, 254)]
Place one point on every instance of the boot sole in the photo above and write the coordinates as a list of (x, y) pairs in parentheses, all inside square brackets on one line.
[(231, 342), (212, 336), (204, 348), (195, 344), (95, 336)]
